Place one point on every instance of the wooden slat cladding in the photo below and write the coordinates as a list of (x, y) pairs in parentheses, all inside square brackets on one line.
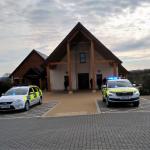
[(32, 61)]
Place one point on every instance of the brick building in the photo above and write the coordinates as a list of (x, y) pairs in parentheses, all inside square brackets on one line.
[(31, 70), (80, 59), (83, 60)]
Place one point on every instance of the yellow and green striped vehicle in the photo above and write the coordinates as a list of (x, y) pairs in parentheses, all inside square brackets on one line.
[(21, 97), (120, 91)]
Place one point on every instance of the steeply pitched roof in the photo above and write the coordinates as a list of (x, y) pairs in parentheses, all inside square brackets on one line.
[(60, 50), (122, 70), (32, 72), (43, 56)]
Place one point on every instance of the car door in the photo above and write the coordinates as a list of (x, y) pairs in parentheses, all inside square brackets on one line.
[(32, 96), (40, 92), (37, 95), (104, 91)]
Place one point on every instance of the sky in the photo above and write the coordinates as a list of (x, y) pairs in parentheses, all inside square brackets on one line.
[(123, 26)]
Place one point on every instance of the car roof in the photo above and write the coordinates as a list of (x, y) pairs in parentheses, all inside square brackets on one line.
[(16, 87), (118, 80)]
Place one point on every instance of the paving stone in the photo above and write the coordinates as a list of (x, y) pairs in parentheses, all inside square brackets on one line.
[(35, 111), (108, 131), (143, 107)]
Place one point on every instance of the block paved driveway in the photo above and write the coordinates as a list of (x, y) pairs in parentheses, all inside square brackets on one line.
[(125, 129), (108, 131), (35, 111), (122, 108)]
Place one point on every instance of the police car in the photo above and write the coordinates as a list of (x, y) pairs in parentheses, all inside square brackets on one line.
[(21, 97), (120, 91)]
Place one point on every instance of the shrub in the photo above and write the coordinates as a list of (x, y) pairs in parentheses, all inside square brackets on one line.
[(5, 85)]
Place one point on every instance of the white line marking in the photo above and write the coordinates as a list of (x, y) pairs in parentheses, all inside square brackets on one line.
[(7, 118), (45, 114), (139, 109), (144, 98), (117, 112), (135, 110), (124, 112), (72, 113), (97, 107)]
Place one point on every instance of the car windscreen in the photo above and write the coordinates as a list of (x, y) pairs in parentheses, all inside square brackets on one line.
[(17, 91), (116, 84)]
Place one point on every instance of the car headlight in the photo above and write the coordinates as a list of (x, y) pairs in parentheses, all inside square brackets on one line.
[(111, 93), (18, 101), (136, 93)]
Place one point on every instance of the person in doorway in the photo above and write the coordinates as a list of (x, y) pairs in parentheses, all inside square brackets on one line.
[(99, 83), (104, 81), (66, 83), (91, 83)]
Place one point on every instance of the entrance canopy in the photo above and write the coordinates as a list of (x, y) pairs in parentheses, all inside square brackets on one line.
[(34, 73), (76, 34), (80, 54)]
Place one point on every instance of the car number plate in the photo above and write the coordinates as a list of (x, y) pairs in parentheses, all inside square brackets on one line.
[(125, 97), (4, 106)]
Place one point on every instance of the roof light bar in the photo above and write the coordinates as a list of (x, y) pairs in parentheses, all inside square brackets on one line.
[(113, 78)]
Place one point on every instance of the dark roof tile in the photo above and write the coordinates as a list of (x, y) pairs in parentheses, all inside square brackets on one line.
[(60, 50)]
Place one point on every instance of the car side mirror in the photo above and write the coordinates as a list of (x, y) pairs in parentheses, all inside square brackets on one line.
[(134, 85), (103, 86)]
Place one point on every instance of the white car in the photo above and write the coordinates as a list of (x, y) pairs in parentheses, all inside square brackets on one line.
[(120, 91), (21, 97)]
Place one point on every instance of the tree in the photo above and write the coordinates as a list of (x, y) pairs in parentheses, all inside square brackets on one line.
[(5, 84)]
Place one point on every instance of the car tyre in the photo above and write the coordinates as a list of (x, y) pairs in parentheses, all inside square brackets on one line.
[(136, 104), (27, 106), (104, 100), (108, 104), (40, 101)]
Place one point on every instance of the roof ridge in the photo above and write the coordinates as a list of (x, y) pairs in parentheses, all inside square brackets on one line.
[(79, 27), (41, 54)]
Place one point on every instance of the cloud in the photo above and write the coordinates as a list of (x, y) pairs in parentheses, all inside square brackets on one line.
[(134, 45), (41, 24)]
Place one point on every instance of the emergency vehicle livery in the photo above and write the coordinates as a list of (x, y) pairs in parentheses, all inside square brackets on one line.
[(21, 97), (120, 91)]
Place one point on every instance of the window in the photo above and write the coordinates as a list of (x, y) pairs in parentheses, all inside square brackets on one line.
[(16, 91), (31, 90), (115, 84), (82, 57), (35, 89)]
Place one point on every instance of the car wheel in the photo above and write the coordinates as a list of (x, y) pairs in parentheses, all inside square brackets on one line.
[(104, 100), (136, 104), (27, 106), (40, 101), (108, 104)]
